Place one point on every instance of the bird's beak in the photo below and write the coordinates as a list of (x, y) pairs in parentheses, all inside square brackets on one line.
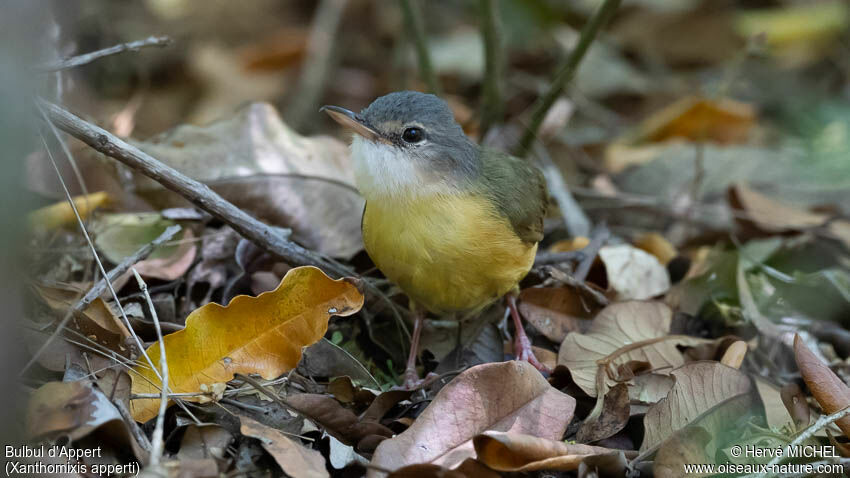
[(352, 120)]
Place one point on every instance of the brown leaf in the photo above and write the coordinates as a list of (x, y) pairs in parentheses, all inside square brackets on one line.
[(295, 459), (96, 321), (699, 387), (622, 332), (209, 441), (337, 420), (468, 469), (775, 411), (770, 215), (684, 447), (612, 465), (556, 311), (508, 396), (262, 335), (831, 393), (614, 417), (656, 245), (517, 452), (796, 405), (255, 160)]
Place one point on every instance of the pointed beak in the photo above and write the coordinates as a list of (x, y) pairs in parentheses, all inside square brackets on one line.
[(353, 121)]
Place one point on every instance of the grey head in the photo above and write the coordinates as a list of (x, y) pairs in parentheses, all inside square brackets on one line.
[(420, 126)]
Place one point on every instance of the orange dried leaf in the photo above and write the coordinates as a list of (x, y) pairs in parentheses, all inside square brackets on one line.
[(252, 335), (516, 452), (831, 393)]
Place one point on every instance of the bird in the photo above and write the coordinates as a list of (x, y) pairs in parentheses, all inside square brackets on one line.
[(455, 225)]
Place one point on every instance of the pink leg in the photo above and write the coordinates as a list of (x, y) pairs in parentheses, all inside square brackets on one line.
[(411, 377), (522, 346)]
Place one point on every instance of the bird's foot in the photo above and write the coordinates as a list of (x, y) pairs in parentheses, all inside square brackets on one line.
[(523, 351), (413, 382)]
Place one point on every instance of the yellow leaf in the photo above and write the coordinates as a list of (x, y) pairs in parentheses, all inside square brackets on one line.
[(59, 214), (252, 335)]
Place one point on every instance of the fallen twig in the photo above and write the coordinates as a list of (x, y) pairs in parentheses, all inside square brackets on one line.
[(100, 287), (79, 60), (494, 66), (413, 21), (598, 238), (157, 444), (821, 422), (583, 289), (575, 219), (565, 73), (196, 192), (544, 258)]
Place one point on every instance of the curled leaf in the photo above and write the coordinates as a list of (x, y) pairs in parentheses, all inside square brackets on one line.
[(252, 335), (831, 393)]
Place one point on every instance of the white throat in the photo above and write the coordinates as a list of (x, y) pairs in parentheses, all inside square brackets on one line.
[(383, 170)]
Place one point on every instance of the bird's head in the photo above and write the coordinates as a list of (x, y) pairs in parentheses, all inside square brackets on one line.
[(407, 143)]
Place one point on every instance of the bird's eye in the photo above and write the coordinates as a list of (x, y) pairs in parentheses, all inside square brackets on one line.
[(412, 135)]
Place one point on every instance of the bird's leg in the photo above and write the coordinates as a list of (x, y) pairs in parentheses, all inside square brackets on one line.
[(411, 377), (522, 345)]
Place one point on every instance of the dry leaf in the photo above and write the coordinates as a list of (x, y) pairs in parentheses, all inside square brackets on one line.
[(468, 469), (770, 215), (775, 411), (686, 446), (633, 273), (252, 335), (734, 355), (615, 415), (61, 213), (205, 441), (75, 410), (796, 405), (622, 332), (556, 311), (831, 393), (96, 321), (516, 452), (261, 164), (118, 236), (508, 396), (656, 245), (295, 459), (699, 387), (338, 421)]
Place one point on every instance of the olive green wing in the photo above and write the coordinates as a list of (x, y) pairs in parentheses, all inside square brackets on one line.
[(518, 190)]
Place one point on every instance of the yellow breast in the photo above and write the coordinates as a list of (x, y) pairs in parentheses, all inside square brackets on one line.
[(447, 252)]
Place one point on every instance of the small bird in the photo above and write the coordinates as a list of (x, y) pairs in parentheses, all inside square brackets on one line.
[(453, 224)]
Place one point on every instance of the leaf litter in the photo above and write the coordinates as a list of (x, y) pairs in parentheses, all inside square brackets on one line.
[(714, 315)]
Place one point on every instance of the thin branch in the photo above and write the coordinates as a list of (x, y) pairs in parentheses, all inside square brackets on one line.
[(575, 219), (566, 72), (416, 30), (94, 252), (821, 422), (75, 61), (157, 444), (544, 258), (264, 236), (494, 65), (101, 286), (598, 238), (314, 74)]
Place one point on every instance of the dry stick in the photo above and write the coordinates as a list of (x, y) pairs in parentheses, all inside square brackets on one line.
[(575, 219), (416, 30), (494, 66), (312, 80), (565, 73), (157, 443), (100, 287), (196, 192), (821, 422), (86, 58), (96, 257), (543, 258), (598, 238)]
